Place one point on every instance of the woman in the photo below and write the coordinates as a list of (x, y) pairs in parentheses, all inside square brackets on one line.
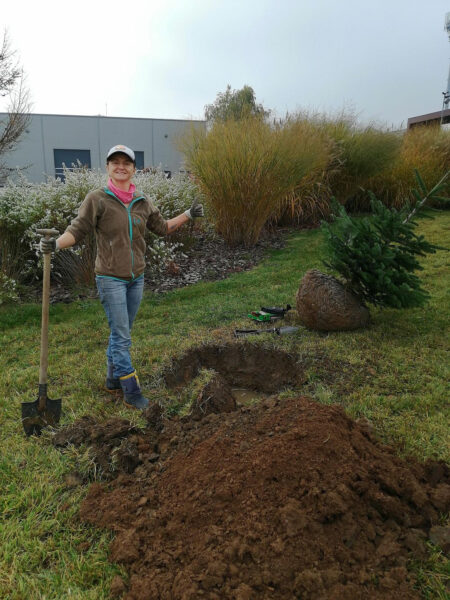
[(119, 216)]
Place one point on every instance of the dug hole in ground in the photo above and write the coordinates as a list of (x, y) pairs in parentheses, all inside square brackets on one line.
[(283, 498)]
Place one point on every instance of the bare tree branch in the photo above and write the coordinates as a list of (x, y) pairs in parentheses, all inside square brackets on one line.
[(12, 85), (9, 68)]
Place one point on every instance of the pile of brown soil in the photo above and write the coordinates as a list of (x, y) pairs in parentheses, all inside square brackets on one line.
[(284, 499)]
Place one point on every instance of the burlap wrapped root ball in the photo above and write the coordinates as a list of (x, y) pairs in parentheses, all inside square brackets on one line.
[(324, 304)]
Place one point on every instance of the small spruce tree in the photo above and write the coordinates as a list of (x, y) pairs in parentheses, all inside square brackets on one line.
[(377, 255)]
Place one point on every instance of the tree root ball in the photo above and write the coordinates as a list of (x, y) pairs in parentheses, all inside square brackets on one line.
[(324, 304)]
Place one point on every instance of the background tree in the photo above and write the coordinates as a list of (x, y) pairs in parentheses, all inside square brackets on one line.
[(235, 104), (12, 87)]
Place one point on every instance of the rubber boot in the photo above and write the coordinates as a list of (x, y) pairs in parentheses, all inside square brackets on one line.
[(112, 384), (132, 394)]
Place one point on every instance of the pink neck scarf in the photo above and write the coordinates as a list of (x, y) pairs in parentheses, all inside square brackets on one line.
[(126, 197)]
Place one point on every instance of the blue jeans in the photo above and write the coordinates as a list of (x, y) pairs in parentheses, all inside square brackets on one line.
[(121, 300)]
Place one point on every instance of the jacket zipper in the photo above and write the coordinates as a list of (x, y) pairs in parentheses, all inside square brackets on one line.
[(130, 224)]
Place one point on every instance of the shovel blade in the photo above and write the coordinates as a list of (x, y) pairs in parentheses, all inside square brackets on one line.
[(35, 419)]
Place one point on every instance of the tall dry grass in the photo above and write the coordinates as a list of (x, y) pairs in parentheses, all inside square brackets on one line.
[(252, 172), (351, 155), (309, 202), (361, 152), (363, 158), (246, 169), (425, 148)]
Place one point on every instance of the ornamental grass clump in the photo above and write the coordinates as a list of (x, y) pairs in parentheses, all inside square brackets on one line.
[(361, 153), (309, 202), (352, 155), (377, 255), (426, 148), (246, 168)]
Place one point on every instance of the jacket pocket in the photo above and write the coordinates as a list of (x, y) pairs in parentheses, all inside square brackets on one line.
[(110, 255), (139, 246), (138, 223)]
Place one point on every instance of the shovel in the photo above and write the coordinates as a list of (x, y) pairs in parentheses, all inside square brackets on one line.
[(43, 411)]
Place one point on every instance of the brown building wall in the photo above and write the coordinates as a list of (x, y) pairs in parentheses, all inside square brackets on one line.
[(433, 118)]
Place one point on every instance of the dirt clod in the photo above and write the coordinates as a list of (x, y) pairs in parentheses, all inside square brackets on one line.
[(215, 397), (111, 448), (118, 587), (154, 415), (441, 537), (282, 499)]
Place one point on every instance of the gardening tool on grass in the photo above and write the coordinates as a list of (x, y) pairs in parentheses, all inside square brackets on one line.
[(278, 330), (263, 317), (276, 310), (43, 411), (269, 314)]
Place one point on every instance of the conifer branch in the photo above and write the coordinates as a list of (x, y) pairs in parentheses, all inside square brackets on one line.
[(428, 195)]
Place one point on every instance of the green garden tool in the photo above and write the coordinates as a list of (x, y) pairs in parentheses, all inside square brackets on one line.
[(269, 314), (43, 411), (262, 317)]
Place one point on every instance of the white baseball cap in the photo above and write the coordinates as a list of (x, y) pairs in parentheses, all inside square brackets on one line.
[(123, 149)]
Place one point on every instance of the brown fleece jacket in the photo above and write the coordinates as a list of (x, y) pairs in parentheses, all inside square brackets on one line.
[(119, 230)]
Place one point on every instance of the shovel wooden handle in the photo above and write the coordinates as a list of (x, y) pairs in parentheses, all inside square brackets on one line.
[(48, 233)]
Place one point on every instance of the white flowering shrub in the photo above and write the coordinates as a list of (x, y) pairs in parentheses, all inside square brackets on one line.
[(26, 207), (159, 253), (171, 196), (21, 206), (8, 290)]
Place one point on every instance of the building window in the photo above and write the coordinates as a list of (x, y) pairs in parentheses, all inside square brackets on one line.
[(71, 159), (139, 156)]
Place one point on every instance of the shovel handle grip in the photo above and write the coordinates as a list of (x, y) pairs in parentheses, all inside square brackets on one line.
[(48, 233)]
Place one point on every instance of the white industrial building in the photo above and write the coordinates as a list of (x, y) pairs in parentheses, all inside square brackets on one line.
[(53, 140)]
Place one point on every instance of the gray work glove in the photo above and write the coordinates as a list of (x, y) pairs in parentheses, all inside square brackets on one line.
[(195, 211), (48, 245)]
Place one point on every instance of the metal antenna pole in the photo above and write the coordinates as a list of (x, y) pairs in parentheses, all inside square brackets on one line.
[(446, 95)]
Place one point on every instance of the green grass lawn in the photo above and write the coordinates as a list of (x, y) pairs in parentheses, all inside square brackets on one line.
[(394, 373)]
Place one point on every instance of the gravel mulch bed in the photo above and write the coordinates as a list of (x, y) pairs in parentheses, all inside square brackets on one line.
[(211, 259)]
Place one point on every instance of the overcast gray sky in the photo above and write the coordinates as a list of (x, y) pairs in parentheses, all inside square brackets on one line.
[(386, 59)]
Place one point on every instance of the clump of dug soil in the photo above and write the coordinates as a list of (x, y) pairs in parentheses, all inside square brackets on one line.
[(283, 499)]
